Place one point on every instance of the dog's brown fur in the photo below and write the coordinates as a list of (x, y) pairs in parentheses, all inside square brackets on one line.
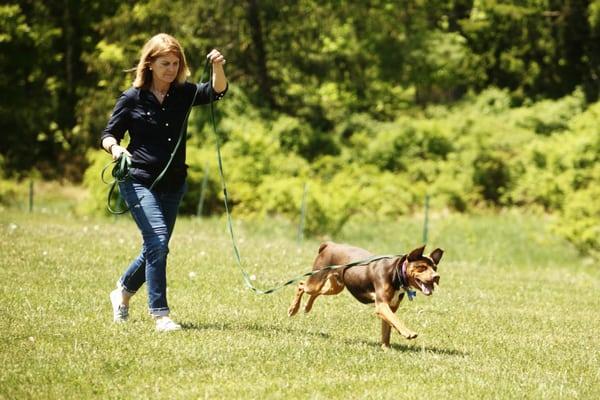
[(378, 281)]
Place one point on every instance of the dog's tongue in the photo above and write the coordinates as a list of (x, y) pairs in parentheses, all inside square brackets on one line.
[(424, 289)]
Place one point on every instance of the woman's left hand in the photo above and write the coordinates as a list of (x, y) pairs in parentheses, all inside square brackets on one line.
[(219, 81), (216, 58)]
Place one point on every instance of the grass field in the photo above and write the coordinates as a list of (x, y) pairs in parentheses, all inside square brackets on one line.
[(516, 315)]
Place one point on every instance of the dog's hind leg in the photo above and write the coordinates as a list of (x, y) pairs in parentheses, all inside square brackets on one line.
[(330, 286), (297, 300), (311, 286), (311, 300)]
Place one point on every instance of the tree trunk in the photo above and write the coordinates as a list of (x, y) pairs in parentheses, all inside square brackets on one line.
[(261, 55)]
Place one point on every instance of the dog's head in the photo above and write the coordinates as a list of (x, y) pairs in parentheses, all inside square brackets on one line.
[(421, 270)]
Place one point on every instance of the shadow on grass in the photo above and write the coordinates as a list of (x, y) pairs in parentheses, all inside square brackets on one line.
[(412, 349), (226, 326)]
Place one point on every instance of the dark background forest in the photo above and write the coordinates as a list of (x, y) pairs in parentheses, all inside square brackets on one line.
[(479, 104)]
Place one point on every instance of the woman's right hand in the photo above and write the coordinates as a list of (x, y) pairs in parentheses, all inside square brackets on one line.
[(117, 150)]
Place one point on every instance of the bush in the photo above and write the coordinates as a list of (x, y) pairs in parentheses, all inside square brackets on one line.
[(579, 219), (96, 201), (8, 188), (550, 116), (10, 192), (544, 174), (491, 175)]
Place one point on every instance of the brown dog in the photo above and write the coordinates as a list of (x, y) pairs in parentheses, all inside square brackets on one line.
[(382, 281)]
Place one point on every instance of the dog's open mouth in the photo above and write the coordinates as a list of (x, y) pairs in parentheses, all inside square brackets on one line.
[(426, 288)]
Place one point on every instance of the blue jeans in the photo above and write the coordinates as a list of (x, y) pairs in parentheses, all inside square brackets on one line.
[(155, 214)]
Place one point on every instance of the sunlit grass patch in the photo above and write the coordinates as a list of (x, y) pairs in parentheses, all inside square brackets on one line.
[(515, 315)]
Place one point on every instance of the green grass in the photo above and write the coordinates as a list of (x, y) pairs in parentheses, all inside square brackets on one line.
[(516, 315)]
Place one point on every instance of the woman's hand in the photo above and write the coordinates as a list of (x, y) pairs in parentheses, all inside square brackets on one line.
[(219, 81), (216, 58), (117, 150)]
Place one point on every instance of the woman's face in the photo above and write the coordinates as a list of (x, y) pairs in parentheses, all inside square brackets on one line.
[(165, 68)]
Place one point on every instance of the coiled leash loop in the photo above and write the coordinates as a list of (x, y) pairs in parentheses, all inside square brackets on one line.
[(120, 172)]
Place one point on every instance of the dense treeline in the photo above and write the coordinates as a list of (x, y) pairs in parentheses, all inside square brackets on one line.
[(382, 101)]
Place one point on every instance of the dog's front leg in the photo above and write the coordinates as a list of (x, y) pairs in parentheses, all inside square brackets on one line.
[(384, 312), (386, 329)]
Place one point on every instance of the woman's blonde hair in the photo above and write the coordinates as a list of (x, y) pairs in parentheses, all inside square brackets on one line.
[(158, 46)]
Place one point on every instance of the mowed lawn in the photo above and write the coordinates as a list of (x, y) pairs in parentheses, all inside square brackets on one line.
[(516, 315)]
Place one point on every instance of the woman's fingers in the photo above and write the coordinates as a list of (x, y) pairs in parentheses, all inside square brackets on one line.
[(216, 57), (117, 150)]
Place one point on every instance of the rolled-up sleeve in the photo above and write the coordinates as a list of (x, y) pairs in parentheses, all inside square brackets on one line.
[(205, 90), (119, 120)]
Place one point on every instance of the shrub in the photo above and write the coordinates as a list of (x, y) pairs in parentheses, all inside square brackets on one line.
[(550, 116), (578, 221), (96, 201), (10, 192), (544, 174), (8, 188), (491, 175)]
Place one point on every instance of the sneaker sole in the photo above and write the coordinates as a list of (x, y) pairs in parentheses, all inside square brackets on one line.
[(170, 328)]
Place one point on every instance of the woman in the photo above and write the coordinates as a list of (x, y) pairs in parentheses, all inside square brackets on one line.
[(153, 111)]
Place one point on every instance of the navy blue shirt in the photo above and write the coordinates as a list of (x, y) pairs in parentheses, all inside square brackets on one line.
[(154, 129)]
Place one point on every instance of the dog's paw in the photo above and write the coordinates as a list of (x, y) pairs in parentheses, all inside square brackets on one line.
[(411, 335), (292, 311)]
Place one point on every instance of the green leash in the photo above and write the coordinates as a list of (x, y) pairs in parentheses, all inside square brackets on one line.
[(236, 252), (120, 172)]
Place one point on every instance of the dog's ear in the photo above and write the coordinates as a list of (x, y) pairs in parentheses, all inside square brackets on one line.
[(436, 255), (416, 254)]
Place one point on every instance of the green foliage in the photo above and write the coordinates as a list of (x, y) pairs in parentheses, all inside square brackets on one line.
[(315, 62), (550, 116), (443, 66), (9, 192), (480, 153), (96, 202), (580, 216), (43, 76), (491, 175), (479, 103)]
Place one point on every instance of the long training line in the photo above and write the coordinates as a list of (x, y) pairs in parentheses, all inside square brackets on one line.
[(236, 252)]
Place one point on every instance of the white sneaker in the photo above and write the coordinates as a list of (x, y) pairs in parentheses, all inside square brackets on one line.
[(120, 310), (166, 324)]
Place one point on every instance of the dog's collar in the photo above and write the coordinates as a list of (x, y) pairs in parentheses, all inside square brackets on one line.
[(401, 272)]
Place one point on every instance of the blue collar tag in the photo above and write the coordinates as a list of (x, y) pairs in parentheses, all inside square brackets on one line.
[(411, 294)]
